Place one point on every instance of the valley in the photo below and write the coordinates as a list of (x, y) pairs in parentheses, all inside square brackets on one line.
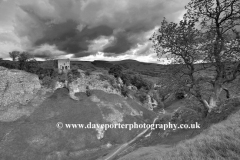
[(33, 129)]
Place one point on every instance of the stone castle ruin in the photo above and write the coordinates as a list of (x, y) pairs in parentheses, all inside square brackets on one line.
[(63, 65)]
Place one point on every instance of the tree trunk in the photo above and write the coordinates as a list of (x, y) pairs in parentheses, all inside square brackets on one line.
[(215, 97), (208, 106)]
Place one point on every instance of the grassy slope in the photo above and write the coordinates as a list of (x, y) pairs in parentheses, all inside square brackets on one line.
[(36, 137), (221, 141)]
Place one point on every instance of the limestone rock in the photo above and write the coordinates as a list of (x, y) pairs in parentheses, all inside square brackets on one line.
[(151, 103), (17, 87), (93, 82)]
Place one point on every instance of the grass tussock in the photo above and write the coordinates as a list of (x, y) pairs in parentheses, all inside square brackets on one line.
[(220, 142)]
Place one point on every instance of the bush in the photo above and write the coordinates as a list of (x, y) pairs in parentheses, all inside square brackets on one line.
[(116, 70), (9, 64), (32, 67), (103, 77), (180, 95), (124, 91), (73, 75), (62, 77), (43, 72), (47, 81), (141, 95), (112, 82), (136, 80), (105, 86), (127, 79), (88, 92), (140, 82), (87, 73)]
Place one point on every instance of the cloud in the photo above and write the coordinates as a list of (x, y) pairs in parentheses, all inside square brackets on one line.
[(76, 27), (47, 51)]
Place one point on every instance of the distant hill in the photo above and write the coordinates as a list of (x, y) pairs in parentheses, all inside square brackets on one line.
[(150, 69)]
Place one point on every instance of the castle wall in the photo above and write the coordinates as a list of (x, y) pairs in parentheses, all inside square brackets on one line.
[(63, 65)]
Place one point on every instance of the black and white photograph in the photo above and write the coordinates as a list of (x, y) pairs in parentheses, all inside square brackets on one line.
[(119, 79)]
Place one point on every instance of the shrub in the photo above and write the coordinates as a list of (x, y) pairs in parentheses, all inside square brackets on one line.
[(105, 86), (32, 67), (9, 64), (116, 70), (179, 95), (47, 81), (141, 95), (62, 77), (126, 78), (88, 92), (140, 82), (73, 75), (43, 72), (124, 91), (112, 82), (87, 73), (103, 77)]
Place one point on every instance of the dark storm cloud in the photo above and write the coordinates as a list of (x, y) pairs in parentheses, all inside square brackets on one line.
[(121, 44), (70, 26), (68, 38)]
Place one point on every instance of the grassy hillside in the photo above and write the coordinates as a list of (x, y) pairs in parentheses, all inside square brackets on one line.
[(37, 137), (219, 142)]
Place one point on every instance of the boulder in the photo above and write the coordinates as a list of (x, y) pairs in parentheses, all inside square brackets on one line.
[(17, 87)]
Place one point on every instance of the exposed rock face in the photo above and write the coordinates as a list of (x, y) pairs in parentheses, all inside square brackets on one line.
[(17, 86), (151, 103), (93, 82)]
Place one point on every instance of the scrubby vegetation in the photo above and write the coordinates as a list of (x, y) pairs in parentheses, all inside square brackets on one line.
[(87, 73), (9, 64), (116, 70), (48, 82), (130, 78), (88, 92), (124, 91), (141, 95), (72, 75)]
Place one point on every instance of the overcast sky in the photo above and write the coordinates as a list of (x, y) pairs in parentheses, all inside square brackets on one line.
[(84, 29)]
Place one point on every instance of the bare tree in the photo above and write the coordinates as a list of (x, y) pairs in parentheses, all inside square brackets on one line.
[(14, 55), (207, 33)]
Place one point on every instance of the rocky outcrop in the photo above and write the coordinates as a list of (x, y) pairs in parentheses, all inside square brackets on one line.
[(17, 87), (151, 103), (91, 82)]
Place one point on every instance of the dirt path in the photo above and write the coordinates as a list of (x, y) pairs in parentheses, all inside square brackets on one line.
[(169, 110), (123, 146)]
